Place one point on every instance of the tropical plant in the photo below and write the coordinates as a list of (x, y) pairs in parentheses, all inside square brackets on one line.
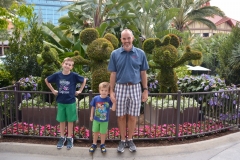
[(209, 48), (192, 11), (153, 20), (227, 57)]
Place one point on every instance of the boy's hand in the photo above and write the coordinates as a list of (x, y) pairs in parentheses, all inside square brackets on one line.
[(91, 118), (55, 92), (77, 93)]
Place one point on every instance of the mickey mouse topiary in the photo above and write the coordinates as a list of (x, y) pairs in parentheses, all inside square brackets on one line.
[(98, 52), (165, 58)]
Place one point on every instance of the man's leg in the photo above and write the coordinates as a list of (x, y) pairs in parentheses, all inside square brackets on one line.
[(122, 128), (131, 126)]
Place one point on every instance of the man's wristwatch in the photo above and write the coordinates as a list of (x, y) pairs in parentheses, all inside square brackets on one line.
[(145, 88)]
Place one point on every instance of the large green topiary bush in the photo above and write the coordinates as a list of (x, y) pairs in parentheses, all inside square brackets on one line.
[(98, 52), (166, 59)]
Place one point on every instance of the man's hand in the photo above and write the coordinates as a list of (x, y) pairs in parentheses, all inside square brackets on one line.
[(112, 97), (145, 96)]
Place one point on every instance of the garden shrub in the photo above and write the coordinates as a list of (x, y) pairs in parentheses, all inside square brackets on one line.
[(98, 52), (166, 58), (5, 78)]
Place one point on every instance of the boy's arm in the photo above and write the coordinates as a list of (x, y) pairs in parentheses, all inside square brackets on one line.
[(55, 92), (91, 115), (81, 88)]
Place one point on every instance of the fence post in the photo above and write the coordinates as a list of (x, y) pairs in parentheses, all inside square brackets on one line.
[(178, 113), (17, 99), (90, 107), (1, 120), (238, 103)]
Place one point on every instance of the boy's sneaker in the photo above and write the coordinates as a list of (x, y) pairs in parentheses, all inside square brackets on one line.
[(93, 148), (132, 146), (121, 146), (61, 142), (103, 148), (69, 143)]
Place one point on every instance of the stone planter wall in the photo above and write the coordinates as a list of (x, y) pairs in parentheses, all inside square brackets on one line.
[(169, 115)]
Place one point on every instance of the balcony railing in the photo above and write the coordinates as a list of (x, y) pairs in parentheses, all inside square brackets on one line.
[(163, 116)]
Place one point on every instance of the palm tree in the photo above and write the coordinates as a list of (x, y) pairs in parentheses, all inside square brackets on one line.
[(192, 11), (153, 20), (92, 13)]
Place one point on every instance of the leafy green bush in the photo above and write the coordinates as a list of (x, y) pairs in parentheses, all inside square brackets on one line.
[(170, 102), (35, 103), (84, 103), (5, 78), (201, 83)]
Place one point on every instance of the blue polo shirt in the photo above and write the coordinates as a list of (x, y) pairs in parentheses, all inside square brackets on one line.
[(128, 65)]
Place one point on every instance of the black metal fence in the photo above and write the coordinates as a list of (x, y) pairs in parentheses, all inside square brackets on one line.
[(163, 116)]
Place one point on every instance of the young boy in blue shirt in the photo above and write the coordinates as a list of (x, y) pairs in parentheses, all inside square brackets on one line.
[(66, 82), (101, 106)]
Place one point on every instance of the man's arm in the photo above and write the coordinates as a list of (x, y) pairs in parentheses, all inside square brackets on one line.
[(144, 85), (112, 84)]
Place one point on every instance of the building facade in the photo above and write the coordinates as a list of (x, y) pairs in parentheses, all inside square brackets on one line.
[(223, 25), (47, 10)]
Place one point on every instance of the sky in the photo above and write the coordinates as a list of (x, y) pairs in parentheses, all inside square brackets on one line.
[(231, 8)]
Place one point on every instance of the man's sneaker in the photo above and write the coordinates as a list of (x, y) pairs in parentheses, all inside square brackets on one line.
[(126, 145), (103, 148), (69, 143), (61, 142), (121, 146), (132, 146), (93, 148)]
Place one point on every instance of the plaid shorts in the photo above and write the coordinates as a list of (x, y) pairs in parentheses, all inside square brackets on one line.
[(128, 99)]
